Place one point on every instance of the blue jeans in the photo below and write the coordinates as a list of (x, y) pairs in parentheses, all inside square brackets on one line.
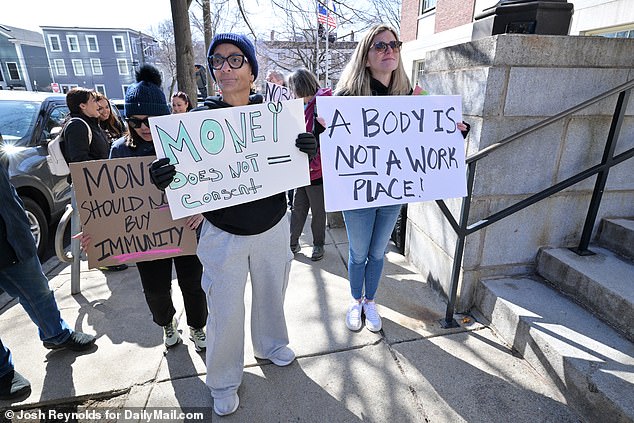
[(26, 282), (368, 231)]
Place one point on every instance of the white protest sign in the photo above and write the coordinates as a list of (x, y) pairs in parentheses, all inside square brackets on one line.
[(378, 151), (274, 92), (230, 156)]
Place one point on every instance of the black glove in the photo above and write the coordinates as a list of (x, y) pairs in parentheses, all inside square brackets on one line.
[(318, 128), (162, 173), (307, 143), (465, 133)]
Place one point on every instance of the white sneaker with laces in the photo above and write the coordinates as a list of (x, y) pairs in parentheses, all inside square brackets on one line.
[(198, 337), (353, 317), (372, 318), (170, 333)]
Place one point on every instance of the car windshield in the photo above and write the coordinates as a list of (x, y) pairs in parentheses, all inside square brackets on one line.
[(17, 119)]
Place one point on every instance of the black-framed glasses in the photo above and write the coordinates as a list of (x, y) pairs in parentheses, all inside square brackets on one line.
[(235, 61), (136, 123), (381, 46)]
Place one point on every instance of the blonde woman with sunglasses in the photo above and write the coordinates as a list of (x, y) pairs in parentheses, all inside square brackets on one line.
[(376, 69)]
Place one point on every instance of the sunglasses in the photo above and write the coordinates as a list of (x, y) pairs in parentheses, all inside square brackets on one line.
[(235, 61), (136, 123), (381, 46)]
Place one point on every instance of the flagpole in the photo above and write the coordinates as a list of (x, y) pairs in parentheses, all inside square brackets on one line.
[(317, 41), (327, 82)]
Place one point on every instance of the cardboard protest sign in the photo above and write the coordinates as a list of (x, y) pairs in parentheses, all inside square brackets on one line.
[(378, 151), (230, 156), (126, 216), (275, 92)]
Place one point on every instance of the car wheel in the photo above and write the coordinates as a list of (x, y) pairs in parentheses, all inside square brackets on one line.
[(37, 223)]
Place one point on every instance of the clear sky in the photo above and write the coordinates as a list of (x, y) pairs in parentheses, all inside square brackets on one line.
[(134, 14)]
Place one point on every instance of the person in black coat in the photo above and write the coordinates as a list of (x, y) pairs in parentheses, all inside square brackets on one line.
[(21, 277)]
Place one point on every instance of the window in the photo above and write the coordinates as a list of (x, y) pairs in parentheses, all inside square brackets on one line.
[(67, 87), (96, 66), (618, 34), (12, 67), (78, 67), (122, 64), (134, 41), (55, 120), (73, 43), (91, 42), (117, 41), (427, 5), (53, 42), (419, 69), (101, 88), (60, 67)]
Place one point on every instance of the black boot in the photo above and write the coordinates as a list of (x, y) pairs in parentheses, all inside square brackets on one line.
[(14, 385)]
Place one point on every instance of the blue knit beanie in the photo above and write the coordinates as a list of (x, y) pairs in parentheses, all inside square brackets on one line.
[(240, 41), (146, 96)]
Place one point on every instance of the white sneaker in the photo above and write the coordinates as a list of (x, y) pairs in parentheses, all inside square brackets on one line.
[(283, 357), (372, 318), (226, 405), (353, 317), (170, 333), (198, 337)]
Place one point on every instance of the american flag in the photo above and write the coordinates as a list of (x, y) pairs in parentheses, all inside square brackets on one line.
[(326, 16)]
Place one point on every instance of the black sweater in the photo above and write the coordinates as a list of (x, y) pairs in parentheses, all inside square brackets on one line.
[(249, 218)]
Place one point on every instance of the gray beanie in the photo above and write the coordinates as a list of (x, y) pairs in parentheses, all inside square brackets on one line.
[(146, 96), (242, 42)]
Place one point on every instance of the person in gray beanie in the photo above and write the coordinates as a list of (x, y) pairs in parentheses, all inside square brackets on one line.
[(240, 240), (143, 100)]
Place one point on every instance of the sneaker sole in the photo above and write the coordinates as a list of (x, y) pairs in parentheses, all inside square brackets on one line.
[(372, 329), (354, 329), (24, 392), (75, 348), (278, 363), (198, 349), (178, 341)]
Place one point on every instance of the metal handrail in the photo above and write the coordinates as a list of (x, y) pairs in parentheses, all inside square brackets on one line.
[(71, 216), (462, 227), (488, 150)]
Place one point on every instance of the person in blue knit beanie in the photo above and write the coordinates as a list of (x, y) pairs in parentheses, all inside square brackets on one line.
[(249, 239), (142, 101)]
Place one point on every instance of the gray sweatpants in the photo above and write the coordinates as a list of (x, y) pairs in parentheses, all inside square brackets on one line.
[(227, 259)]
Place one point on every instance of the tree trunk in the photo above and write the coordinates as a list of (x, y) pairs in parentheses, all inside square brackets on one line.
[(209, 34), (184, 49)]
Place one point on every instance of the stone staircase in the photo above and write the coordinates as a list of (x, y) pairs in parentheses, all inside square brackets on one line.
[(574, 321)]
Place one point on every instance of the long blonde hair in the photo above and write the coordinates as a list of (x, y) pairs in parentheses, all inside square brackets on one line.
[(355, 78)]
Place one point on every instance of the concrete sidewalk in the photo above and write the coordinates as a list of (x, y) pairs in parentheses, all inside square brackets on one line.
[(412, 371)]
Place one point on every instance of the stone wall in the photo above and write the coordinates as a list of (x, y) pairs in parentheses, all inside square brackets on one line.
[(508, 83)]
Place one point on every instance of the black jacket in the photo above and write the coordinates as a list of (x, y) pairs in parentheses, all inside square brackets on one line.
[(77, 147), (250, 218), (16, 241)]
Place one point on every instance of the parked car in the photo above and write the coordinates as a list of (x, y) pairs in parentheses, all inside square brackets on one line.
[(28, 121), (118, 104)]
